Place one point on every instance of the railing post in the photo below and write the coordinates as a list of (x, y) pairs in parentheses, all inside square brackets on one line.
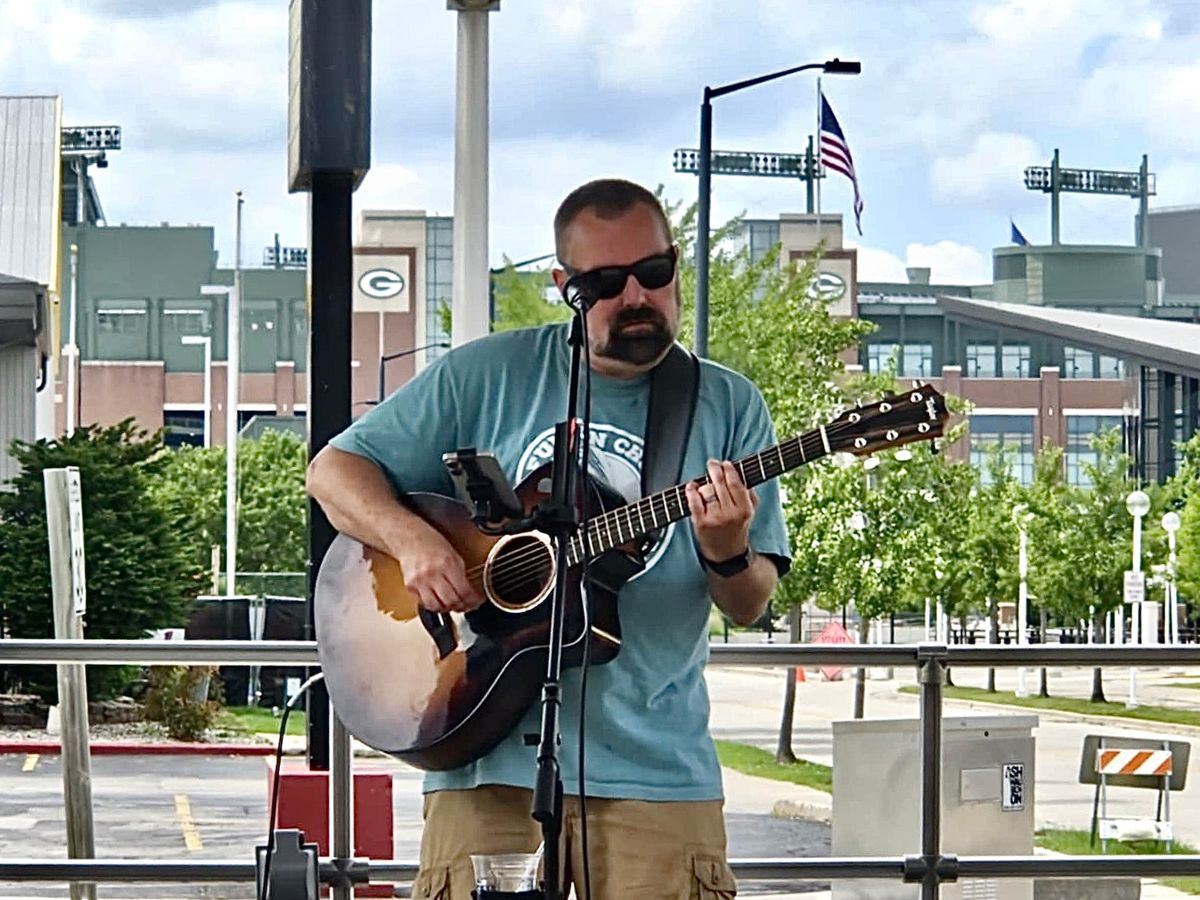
[(342, 785), (931, 670)]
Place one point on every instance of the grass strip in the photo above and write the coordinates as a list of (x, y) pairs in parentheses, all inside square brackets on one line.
[(256, 720), (1072, 705), (758, 762)]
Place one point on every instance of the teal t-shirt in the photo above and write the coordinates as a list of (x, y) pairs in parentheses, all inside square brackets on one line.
[(647, 711)]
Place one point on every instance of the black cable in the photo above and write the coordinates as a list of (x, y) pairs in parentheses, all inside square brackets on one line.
[(586, 599), (264, 888)]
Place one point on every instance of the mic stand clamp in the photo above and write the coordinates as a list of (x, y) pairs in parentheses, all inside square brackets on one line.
[(293, 873)]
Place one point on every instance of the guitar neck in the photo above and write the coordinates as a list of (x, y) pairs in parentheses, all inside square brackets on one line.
[(627, 523)]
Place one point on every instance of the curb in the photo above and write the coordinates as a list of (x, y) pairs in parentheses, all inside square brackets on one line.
[(117, 748), (1088, 718), (810, 812)]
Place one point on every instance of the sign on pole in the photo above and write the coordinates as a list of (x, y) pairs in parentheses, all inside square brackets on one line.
[(833, 633), (75, 536), (1135, 586)]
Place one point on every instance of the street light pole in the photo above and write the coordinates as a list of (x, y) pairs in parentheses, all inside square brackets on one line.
[(72, 347), (704, 171), (1137, 504), (1171, 524), (386, 358), (1022, 517)]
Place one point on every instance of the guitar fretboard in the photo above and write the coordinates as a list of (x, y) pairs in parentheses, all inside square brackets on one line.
[(627, 523)]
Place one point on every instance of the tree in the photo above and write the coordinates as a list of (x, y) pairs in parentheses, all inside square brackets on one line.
[(1048, 499), (272, 506), (139, 574), (1094, 544), (989, 553), (521, 301)]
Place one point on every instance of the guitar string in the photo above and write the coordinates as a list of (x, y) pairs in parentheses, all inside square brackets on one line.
[(526, 564), (517, 569)]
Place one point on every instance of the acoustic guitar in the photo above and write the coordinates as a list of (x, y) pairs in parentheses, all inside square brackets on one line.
[(440, 690)]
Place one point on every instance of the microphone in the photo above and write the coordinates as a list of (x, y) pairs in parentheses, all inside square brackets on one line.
[(575, 297)]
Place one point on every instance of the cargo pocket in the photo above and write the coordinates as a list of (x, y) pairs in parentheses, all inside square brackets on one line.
[(712, 879), (432, 884)]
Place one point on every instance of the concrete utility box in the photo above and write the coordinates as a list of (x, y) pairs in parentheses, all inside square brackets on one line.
[(987, 798)]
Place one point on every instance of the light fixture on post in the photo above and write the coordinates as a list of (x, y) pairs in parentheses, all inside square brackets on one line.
[(204, 340), (1021, 518), (703, 213), (1171, 524), (1137, 504)]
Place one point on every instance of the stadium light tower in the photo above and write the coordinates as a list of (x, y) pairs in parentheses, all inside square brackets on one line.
[(1055, 180)]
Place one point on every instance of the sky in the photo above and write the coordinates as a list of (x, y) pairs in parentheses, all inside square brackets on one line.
[(954, 100)]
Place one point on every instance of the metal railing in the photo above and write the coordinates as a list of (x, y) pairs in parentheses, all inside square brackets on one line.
[(930, 867)]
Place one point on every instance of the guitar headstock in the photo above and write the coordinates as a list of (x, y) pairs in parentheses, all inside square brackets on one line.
[(915, 415)]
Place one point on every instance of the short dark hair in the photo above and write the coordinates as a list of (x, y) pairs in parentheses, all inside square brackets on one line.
[(608, 198)]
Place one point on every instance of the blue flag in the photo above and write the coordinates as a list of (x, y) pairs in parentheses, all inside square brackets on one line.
[(1017, 237)]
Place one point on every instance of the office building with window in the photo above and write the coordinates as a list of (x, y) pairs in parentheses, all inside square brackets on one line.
[(1026, 385), (150, 296)]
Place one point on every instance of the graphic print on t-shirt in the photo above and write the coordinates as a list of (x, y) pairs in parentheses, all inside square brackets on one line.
[(615, 459)]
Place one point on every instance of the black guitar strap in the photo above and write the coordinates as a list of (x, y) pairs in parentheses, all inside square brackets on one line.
[(674, 386)]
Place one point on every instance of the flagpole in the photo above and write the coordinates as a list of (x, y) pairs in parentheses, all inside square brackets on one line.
[(817, 173)]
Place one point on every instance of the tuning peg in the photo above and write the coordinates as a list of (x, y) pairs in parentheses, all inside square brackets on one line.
[(916, 383), (934, 449)]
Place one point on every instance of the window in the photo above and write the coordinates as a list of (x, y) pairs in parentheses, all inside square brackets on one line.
[(1078, 363), (1080, 431), (122, 330), (439, 265), (183, 426), (915, 360), (981, 361), (878, 356), (1014, 434), (260, 336), (1111, 367), (1014, 360)]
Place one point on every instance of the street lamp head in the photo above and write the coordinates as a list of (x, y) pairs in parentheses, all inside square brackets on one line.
[(1021, 515), (837, 66), (1171, 522), (1137, 504)]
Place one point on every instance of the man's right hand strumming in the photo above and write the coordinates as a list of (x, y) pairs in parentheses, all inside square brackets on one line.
[(359, 501)]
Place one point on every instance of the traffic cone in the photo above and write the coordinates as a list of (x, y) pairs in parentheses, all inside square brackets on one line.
[(800, 676)]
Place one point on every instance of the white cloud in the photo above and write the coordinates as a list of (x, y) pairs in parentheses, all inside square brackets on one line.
[(991, 169), (951, 263), (879, 265)]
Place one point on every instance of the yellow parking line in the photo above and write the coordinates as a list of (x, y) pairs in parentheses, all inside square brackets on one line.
[(31, 761), (183, 811)]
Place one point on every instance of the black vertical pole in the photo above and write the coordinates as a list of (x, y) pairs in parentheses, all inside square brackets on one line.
[(810, 175), (700, 343), (329, 261)]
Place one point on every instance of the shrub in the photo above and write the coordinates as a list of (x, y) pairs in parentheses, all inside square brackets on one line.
[(186, 699)]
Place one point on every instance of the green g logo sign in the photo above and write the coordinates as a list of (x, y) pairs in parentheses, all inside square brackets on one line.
[(381, 284), (828, 287)]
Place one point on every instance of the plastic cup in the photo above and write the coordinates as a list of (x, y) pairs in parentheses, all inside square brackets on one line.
[(509, 872)]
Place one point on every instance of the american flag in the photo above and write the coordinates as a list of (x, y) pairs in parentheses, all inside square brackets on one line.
[(835, 153)]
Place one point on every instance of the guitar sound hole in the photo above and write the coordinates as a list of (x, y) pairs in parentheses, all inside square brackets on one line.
[(520, 572)]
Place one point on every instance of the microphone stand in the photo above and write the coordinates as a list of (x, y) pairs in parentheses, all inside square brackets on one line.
[(559, 519)]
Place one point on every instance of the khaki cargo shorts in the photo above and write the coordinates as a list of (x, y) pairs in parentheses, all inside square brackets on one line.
[(647, 850)]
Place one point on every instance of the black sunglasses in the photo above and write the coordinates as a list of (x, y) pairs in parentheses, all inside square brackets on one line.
[(606, 282)]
